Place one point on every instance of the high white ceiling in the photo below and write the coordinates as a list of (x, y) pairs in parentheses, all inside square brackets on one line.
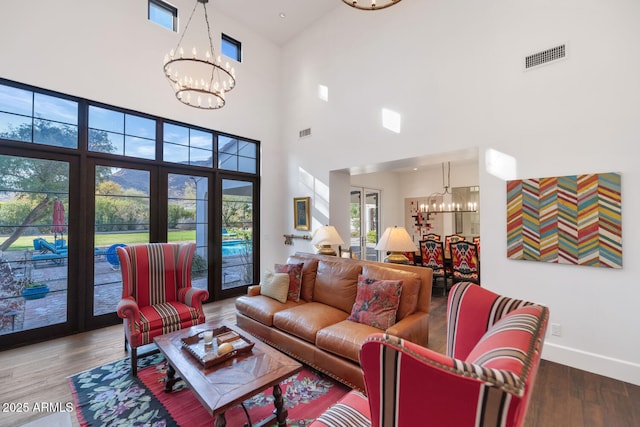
[(264, 16)]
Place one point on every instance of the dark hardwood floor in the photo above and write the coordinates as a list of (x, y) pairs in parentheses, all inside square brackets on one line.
[(563, 396)]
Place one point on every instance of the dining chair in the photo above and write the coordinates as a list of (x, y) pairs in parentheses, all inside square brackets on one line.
[(447, 243), (465, 266), (431, 236), (476, 241), (432, 253)]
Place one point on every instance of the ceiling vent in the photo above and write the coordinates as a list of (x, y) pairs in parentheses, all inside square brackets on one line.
[(305, 133), (546, 56)]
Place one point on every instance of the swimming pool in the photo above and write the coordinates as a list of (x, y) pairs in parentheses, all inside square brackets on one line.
[(235, 247)]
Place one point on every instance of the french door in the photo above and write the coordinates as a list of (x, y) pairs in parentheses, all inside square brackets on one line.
[(364, 209)]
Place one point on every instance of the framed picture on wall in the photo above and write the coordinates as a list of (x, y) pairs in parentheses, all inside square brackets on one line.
[(301, 213)]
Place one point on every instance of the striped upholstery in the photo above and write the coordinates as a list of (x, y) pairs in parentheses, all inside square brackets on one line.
[(489, 383), (351, 411), (157, 296)]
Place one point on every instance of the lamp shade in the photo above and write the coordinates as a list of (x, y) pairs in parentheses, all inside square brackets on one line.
[(326, 235), (396, 239)]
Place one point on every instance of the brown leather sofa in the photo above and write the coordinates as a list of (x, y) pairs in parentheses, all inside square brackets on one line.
[(316, 331)]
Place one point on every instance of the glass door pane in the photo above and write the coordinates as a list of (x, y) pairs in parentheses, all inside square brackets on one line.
[(237, 233), (34, 196), (365, 220), (121, 218), (188, 220)]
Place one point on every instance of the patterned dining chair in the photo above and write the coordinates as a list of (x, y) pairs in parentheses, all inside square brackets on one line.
[(476, 241), (465, 266), (432, 253), (447, 243), (157, 296), (431, 236)]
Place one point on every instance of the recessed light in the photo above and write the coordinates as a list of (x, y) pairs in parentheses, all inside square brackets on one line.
[(282, 15)]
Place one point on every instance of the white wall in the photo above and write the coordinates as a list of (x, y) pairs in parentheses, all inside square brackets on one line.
[(108, 51), (454, 71)]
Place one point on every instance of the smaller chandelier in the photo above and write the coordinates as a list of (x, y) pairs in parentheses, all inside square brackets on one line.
[(200, 82), (371, 4)]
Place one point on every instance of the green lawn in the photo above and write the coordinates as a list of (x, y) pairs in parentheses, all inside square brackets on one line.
[(108, 239)]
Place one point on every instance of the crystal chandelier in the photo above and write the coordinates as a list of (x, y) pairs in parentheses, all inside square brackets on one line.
[(371, 4), (199, 82)]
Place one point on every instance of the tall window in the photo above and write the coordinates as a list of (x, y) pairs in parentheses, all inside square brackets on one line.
[(122, 203), (34, 244), (78, 179)]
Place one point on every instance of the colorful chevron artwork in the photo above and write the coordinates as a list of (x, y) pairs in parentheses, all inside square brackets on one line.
[(566, 220)]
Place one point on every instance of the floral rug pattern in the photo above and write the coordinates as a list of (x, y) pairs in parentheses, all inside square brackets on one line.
[(109, 396)]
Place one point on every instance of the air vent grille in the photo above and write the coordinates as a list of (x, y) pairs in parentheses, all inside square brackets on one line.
[(305, 133), (544, 57)]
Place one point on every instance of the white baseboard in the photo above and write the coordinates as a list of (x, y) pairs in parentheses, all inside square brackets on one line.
[(598, 364)]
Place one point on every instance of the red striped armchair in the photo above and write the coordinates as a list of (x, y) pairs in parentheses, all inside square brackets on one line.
[(157, 296), (485, 379)]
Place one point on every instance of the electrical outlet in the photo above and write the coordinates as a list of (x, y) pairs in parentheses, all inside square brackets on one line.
[(556, 329)]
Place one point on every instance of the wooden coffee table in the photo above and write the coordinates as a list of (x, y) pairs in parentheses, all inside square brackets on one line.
[(233, 381)]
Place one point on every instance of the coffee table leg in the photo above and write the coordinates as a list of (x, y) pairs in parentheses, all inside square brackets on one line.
[(281, 411), (221, 421), (170, 380)]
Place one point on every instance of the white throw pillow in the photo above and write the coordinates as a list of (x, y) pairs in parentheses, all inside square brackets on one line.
[(275, 285)]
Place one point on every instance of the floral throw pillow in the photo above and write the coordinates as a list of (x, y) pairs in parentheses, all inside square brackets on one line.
[(295, 278), (376, 302)]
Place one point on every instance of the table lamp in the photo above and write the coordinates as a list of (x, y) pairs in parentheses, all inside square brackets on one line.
[(396, 240), (324, 237)]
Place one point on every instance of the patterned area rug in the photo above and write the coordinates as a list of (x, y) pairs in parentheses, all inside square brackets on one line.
[(109, 396)]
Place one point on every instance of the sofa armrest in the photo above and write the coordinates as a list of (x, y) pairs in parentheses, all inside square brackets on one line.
[(253, 290), (414, 328)]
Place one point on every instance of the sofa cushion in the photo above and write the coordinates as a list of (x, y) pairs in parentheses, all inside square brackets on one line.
[(509, 344), (295, 278), (410, 286), (275, 285), (344, 338), (305, 320), (336, 284), (262, 308), (376, 302), (309, 271)]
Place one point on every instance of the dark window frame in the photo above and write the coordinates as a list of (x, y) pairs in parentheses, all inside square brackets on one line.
[(80, 302), (167, 8), (235, 43)]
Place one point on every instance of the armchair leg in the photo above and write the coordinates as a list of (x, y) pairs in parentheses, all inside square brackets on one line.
[(134, 361)]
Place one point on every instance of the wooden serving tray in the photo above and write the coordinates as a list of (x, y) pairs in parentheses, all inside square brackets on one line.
[(207, 355)]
